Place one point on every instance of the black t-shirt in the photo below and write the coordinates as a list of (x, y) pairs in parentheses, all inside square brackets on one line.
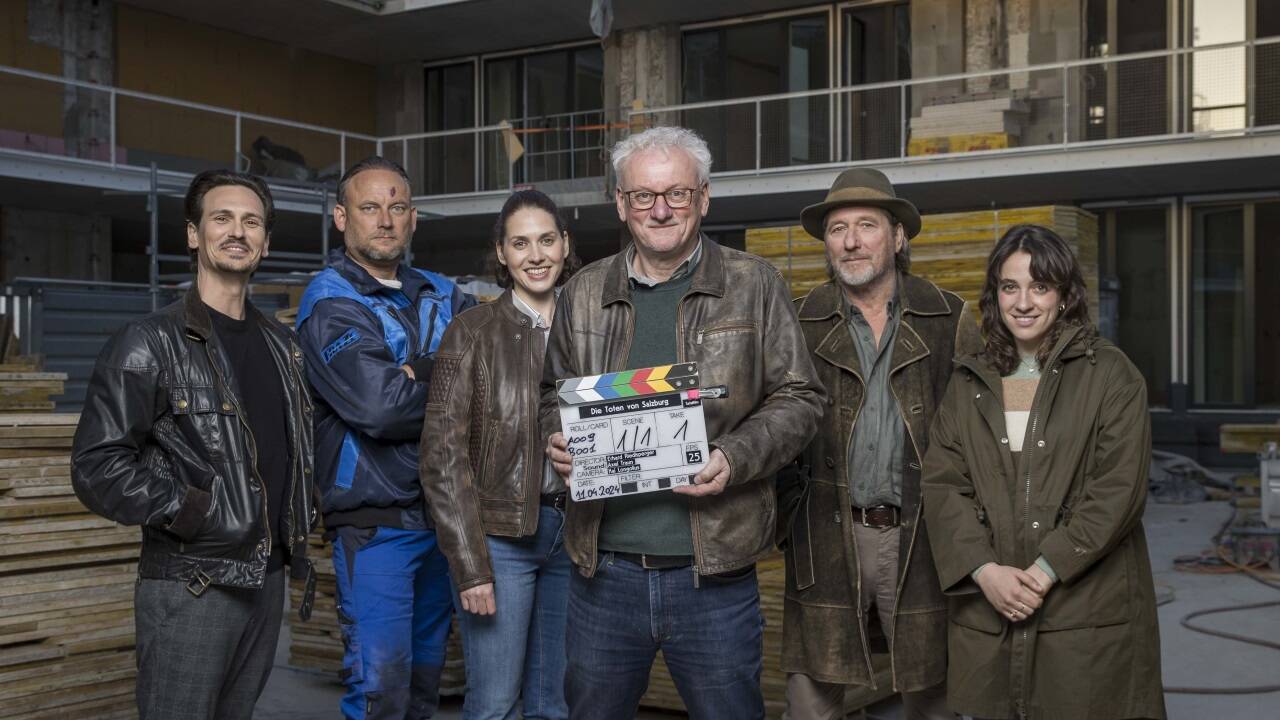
[(257, 382)]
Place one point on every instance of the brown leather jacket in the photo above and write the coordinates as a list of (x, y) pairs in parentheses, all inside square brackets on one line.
[(824, 631), (737, 322), (482, 453)]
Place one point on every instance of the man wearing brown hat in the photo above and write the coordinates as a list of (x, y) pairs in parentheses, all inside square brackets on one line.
[(882, 341)]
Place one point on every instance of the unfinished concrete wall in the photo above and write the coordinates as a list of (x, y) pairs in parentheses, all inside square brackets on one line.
[(954, 36), (83, 32), (41, 243)]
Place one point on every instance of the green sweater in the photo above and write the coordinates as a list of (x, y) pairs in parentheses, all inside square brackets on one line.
[(655, 523)]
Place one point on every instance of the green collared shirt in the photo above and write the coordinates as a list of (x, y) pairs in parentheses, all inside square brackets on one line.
[(876, 450), (685, 268)]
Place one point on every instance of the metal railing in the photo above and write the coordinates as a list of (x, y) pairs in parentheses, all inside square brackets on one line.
[(100, 123), (1141, 97), (559, 148)]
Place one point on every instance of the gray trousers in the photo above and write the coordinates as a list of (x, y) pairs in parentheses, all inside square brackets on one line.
[(207, 657), (809, 699)]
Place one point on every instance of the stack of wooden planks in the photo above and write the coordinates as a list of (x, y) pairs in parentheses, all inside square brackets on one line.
[(317, 643), (967, 126), (662, 692), (23, 388), (66, 584), (951, 249)]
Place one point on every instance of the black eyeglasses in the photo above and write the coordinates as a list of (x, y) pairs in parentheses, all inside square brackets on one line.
[(644, 199)]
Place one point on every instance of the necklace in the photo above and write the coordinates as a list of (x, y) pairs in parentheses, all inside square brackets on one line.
[(1029, 365)]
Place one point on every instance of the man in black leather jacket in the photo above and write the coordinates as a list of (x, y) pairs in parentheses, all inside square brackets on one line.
[(197, 426)]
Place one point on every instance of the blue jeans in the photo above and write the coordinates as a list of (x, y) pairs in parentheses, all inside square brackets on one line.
[(710, 636), (394, 608), (520, 649)]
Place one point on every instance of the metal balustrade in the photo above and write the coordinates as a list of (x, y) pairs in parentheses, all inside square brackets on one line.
[(1156, 96)]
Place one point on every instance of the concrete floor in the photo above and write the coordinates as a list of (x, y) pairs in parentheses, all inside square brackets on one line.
[(1189, 658)]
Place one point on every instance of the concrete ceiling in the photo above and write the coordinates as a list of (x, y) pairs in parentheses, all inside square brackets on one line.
[(438, 30)]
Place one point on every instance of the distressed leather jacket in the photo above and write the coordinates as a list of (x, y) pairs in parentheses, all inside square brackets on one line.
[(825, 633), (163, 442), (482, 452), (737, 322)]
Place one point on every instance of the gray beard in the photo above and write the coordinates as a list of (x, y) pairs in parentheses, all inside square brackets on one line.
[(855, 279)]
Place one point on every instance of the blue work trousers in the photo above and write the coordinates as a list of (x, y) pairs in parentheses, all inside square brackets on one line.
[(518, 652), (394, 607), (710, 635)]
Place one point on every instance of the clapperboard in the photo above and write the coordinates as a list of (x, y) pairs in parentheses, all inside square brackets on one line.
[(634, 431)]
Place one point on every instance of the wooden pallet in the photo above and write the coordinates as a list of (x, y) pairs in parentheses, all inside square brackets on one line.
[(66, 584)]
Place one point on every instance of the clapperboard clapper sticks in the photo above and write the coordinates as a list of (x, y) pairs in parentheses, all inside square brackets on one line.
[(634, 431)]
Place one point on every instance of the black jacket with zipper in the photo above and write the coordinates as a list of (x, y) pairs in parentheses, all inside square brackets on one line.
[(163, 442)]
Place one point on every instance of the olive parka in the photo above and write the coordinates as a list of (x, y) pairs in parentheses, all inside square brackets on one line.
[(824, 631), (1076, 497)]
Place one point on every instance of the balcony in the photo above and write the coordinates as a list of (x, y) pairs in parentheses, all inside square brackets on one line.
[(1069, 109)]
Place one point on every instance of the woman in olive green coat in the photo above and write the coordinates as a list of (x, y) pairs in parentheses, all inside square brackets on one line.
[(1034, 486)]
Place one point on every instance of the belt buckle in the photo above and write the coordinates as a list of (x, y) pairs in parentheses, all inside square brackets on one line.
[(199, 583), (863, 512)]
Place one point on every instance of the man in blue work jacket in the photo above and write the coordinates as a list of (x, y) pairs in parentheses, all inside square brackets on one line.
[(369, 326)]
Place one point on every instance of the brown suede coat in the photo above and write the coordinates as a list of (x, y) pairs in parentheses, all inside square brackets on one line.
[(824, 630), (1076, 497)]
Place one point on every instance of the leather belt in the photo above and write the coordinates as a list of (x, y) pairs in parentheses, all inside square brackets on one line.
[(656, 562), (554, 500), (880, 516)]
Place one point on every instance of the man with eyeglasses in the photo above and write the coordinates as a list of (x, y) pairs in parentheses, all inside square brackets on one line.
[(675, 571)]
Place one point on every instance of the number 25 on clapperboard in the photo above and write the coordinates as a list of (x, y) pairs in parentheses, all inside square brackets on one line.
[(634, 431)]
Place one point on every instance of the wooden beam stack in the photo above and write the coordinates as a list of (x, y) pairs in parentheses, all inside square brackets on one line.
[(951, 249), (23, 388), (66, 584)]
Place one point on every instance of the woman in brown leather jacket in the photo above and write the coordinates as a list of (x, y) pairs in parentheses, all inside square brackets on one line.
[(1034, 486), (498, 509)]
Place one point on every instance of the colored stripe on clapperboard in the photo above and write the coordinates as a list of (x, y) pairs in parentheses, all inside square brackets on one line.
[(629, 383)]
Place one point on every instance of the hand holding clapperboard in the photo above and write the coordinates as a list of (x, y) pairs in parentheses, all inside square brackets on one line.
[(634, 431)]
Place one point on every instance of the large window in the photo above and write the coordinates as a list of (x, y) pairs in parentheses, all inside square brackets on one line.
[(771, 56), (1127, 98), (1218, 94), (555, 104), (876, 47), (1134, 266), (450, 161), (1233, 296)]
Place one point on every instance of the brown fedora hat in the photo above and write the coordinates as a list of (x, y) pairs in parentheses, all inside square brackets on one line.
[(863, 187)]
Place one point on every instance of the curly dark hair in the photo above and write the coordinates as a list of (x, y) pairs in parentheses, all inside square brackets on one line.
[(519, 200), (1052, 263)]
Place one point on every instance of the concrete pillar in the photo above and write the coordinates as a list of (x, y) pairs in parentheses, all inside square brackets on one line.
[(937, 48), (986, 45), (84, 30), (641, 70)]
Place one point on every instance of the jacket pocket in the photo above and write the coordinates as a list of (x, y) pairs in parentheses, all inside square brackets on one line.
[(1097, 599), (973, 611), (801, 546), (205, 417)]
